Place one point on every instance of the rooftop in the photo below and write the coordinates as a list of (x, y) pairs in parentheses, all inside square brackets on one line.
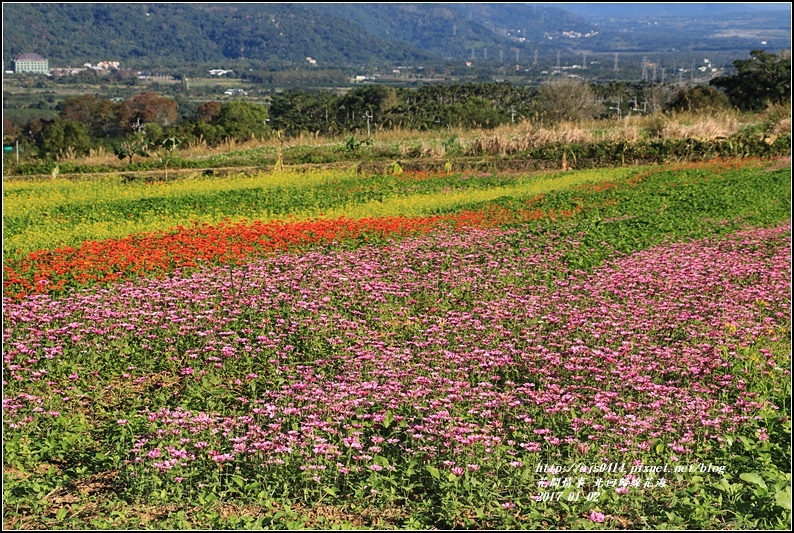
[(29, 57)]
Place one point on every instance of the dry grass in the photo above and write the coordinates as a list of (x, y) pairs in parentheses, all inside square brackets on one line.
[(778, 118), (515, 138), (503, 140), (716, 126)]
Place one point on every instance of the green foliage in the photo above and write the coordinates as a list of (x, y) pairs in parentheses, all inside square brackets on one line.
[(165, 153), (761, 80), (297, 112), (352, 145), (135, 144), (64, 136), (242, 120), (698, 98)]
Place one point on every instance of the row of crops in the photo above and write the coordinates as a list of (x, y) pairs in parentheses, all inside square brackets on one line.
[(588, 349)]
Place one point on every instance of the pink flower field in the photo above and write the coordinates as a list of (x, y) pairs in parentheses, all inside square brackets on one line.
[(453, 363)]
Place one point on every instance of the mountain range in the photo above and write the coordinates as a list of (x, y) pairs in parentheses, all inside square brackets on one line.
[(289, 36)]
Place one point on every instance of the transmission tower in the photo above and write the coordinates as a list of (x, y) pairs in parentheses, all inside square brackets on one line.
[(535, 61), (644, 69), (616, 69)]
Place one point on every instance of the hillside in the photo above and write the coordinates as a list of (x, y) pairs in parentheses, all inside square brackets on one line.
[(279, 36), (276, 35)]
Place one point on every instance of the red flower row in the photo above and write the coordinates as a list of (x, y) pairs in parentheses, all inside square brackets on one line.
[(48, 271)]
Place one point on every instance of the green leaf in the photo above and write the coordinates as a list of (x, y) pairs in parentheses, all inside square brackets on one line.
[(752, 477), (725, 485), (238, 480), (61, 514), (388, 419), (783, 498), (330, 490), (433, 471), (660, 448)]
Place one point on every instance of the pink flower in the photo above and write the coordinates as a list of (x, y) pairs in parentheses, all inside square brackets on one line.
[(597, 517)]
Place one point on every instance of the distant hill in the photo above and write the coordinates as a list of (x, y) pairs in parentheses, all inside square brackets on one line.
[(453, 30), (175, 34), (278, 36), (594, 11)]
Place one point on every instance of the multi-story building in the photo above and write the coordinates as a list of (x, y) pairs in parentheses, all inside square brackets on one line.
[(30, 63)]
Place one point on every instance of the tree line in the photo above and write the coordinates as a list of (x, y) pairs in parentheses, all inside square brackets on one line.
[(87, 121)]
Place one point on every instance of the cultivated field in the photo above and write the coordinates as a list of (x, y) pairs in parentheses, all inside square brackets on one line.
[(605, 348)]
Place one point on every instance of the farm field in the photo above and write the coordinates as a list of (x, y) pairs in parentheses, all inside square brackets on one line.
[(602, 348)]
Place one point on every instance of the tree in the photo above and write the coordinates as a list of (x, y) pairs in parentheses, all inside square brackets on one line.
[(698, 98), (567, 100), (165, 153), (373, 101), (762, 80), (148, 107), (242, 120), (473, 112), (134, 145), (97, 114), (298, 111), (63, 136), (208, 111)]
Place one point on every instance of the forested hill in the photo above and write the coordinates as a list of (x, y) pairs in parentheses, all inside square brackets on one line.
[(277, 35)]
